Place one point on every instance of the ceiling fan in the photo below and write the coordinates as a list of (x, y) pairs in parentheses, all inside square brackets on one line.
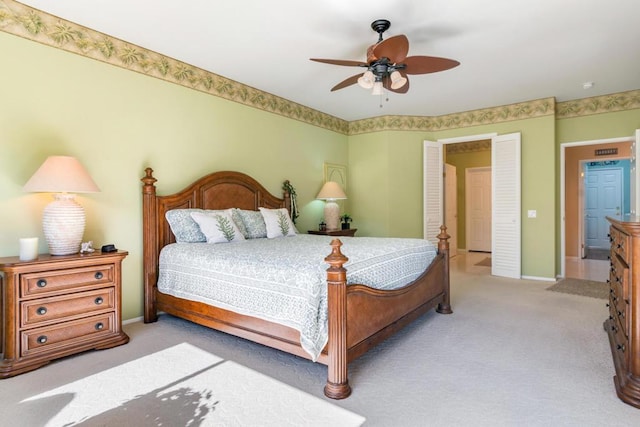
[(388, 65)]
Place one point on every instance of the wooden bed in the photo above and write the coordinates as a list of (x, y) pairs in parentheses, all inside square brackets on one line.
[(359, 316)]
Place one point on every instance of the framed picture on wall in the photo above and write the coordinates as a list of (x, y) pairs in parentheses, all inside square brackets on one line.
[(336, 173)]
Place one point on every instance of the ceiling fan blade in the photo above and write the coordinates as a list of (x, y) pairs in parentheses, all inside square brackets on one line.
[(395, 48), (386, 83), (346, 82), (341, 62), (427, 64)]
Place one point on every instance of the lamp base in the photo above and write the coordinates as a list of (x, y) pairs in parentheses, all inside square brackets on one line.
[(332, 215), (63, 222)]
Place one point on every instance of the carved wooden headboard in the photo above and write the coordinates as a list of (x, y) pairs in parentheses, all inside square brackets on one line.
[(218, 190)]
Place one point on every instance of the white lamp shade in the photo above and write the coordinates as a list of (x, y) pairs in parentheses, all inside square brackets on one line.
[(377, 88), (366, 80), (61, 174), (331, 190), (63, 219), (397, 80)]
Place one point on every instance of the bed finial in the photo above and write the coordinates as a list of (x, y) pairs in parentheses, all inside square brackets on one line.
[(336, 259), (149, 181), (443, 239)]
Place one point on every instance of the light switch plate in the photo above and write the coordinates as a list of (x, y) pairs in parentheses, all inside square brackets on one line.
[(532, 213)]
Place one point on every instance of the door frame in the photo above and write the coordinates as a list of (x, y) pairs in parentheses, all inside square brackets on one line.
[(563, 219)]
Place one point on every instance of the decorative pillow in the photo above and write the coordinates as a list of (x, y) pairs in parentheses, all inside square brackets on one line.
[(278, 222), (217, 226), (237, 219), (253, 223), (186, 230)]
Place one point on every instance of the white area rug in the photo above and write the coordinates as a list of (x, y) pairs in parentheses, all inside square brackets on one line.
[(184, 386)]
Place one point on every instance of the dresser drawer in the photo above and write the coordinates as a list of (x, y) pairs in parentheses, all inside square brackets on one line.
[(43, 311), (66, 335), (619, 243), (39, 284)]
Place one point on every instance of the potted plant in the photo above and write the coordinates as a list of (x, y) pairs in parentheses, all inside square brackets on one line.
[(346, 219)]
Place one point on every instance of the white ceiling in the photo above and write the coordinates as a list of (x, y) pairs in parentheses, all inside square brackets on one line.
[(510, 50)]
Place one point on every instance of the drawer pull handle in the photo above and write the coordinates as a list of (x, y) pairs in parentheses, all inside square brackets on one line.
[(99, 326), (41, 283), (620, 347), (41, 311), (42, 339), (99, 300), (620, 313), (614, 329), (98, 275)]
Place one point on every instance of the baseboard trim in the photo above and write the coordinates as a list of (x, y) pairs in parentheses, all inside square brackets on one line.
[(134, 320), (542, 279)]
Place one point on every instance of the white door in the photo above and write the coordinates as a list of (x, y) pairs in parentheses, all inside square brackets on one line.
[(603, 198), (432, 188), (451, 207), (478, 209), (505, 189)]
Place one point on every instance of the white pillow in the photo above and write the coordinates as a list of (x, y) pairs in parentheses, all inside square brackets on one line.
[(218, 227), (278, 222)]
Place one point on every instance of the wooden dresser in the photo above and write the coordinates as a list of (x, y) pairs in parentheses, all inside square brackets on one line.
[(623, 324), (55, 306)]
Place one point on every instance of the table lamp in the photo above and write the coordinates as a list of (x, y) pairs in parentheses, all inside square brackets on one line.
[(63, 219), (331, 192)]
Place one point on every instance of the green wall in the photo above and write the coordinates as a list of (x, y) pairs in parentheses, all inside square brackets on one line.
[(117, 122)]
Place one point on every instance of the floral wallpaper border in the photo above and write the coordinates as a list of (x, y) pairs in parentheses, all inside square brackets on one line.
[(32, 24)]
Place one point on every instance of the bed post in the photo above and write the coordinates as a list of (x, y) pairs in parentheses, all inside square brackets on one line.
[(149, 245), (443, 247), (337, 381)]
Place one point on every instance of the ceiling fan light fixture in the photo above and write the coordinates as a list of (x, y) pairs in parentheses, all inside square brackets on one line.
[(377, 88), (397, 81), (366, 80)]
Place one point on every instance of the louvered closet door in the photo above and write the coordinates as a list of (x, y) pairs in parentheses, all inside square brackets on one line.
[(505, 190), (432, 190)]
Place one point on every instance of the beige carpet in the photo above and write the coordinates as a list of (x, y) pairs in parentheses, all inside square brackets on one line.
[(182, 385), (585, 288)]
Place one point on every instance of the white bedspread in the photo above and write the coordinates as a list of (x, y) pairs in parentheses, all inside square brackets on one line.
[(284, 280)]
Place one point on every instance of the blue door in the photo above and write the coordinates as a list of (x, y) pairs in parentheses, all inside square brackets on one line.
[(603, 198)]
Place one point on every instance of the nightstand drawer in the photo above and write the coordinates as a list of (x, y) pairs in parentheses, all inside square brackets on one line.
[(68, 307), (66, 335), (75, 278)]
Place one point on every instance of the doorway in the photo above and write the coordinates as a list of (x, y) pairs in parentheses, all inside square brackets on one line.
[(575, 157), (505, 191)]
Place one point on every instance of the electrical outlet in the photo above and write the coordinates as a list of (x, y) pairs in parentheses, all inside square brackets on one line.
[(532, 213)]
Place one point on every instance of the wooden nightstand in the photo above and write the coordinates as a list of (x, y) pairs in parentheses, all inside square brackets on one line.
[(56, 306), (348, 232)]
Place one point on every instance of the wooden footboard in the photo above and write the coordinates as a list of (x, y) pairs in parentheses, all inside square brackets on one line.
[(359, 316)]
